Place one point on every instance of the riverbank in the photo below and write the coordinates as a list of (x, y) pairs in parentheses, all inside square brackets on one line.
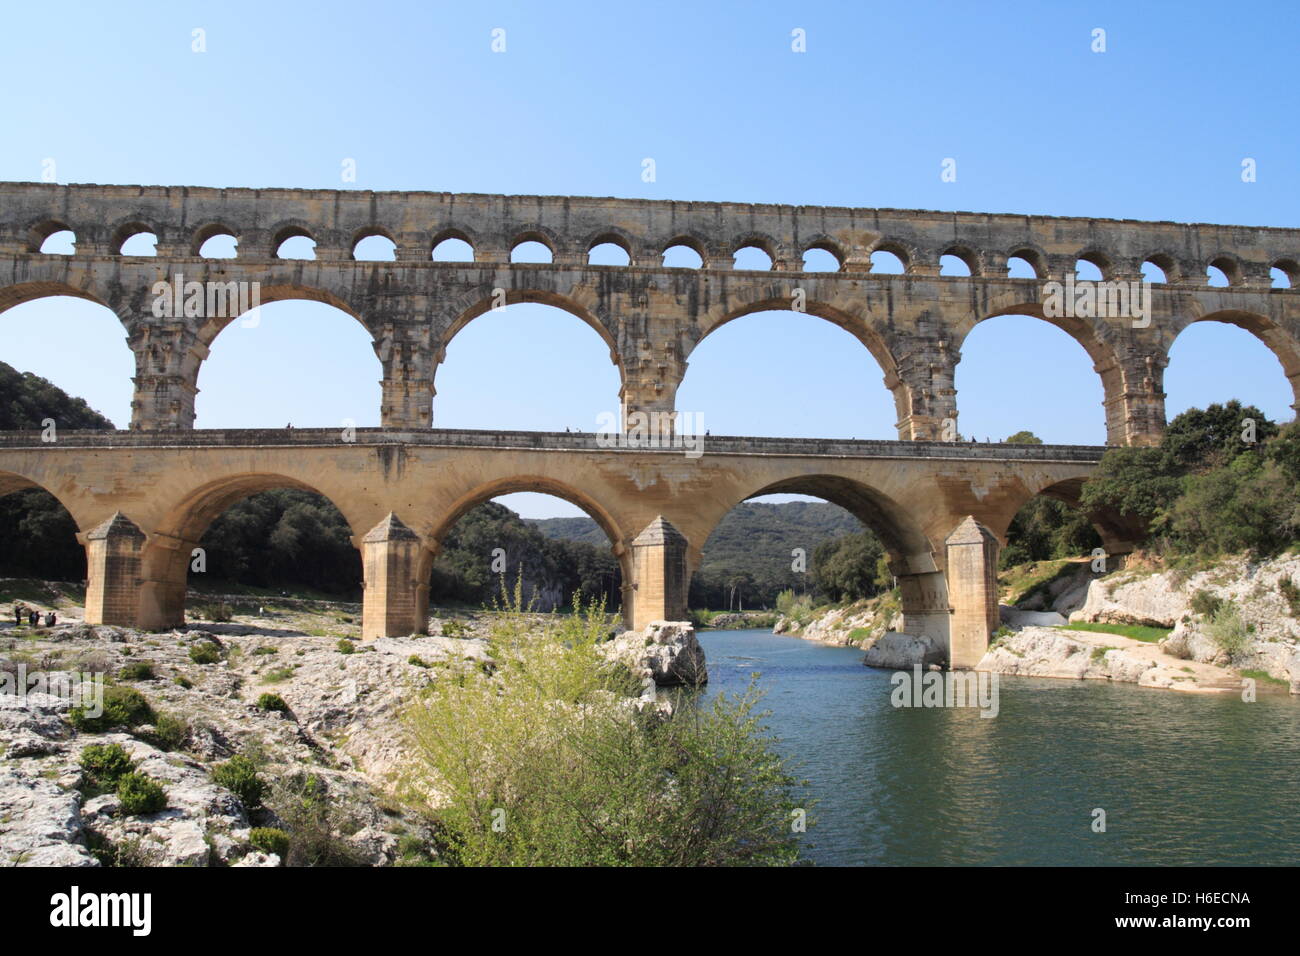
[(279, 720), (1203, 628)]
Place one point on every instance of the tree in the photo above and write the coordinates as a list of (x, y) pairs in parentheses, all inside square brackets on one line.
[(848, 568), (1200, 438), (1024, 438)]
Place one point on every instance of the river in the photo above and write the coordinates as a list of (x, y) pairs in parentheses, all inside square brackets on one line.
[(1183, 778)]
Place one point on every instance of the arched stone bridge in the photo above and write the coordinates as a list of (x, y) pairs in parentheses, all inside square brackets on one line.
[(143, 500), (651, 317)]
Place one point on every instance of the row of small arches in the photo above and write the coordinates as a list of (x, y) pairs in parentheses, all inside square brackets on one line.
[(1223, 271)]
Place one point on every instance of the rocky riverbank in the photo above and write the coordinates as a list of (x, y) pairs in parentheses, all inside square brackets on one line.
[(313, 716), (1203, 629)]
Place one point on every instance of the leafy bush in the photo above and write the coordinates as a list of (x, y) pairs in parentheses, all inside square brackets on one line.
[(316, 824), (270, 840), (123, 707), (239, 775), (1291, 594), (205, 652), (417, 661), (1228, 630), (180, 680), (545, 763), (218, 611), (272, 702), (139, 793), (345, 646), (105, 763), (797, 608), (171, 732), (136, 670), (263, 651), (277, 674), (1205, 603)]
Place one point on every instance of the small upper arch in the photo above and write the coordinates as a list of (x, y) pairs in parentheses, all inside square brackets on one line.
[(828, 245), (900, 250), (453, 234), (290, 229), (1032, 256), (1229, 265), (1290, 269), (1096, 257), (125, 230), (42, 229), (535, 233), (964, 254), (210, 230)]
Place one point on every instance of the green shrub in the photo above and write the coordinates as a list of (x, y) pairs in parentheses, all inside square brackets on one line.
[(1228, 630), (105, 763), (345, 646), (180, 680), (547, 746), (205, 652), (272, 702), (139, 793), (277, 674), (218, 611), (171, 732), (317, 825), (417, 661), (136, 670), (270, 840), (1291, 594), (261, 651), (1205, 603), (123, 707), (239, 775)]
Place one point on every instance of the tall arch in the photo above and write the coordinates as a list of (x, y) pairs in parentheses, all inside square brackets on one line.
[(861, 327), (487, 306), (1277, 338), (1094, 337), (276, 357)]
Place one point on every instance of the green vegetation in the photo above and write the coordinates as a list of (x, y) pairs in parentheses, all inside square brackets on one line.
[(1228, 630), (171, 732), (205, 652), (1022, 582), (345, 646), (270, 840), (272, 702), (105, 764), (239, 775), (123, 707), (277, 674), (138, 793), (136, 670), (1205, 603), (544, 762), (1137, 632), (1099, 653), (215, 611), (416, 660), (1291, 594), (316, 825), (1204, 491), (1264, 677)]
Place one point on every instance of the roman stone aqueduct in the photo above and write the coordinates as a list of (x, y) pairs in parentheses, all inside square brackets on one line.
[(142, 498)]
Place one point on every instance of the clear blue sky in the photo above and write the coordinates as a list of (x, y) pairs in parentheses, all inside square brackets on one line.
[(1154, 128)]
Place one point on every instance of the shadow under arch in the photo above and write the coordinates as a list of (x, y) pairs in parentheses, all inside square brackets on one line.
[(1119, 534), (54, 558), (166, 557), (915, 561), (1284, 344), (435, 531), (861, 329)]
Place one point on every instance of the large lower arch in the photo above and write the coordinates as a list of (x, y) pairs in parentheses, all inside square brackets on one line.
[(435, 531), (915, 560), (1283, 343), (168, 549)]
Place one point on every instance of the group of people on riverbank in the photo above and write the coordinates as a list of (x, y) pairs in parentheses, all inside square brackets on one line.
[(32, 615)]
